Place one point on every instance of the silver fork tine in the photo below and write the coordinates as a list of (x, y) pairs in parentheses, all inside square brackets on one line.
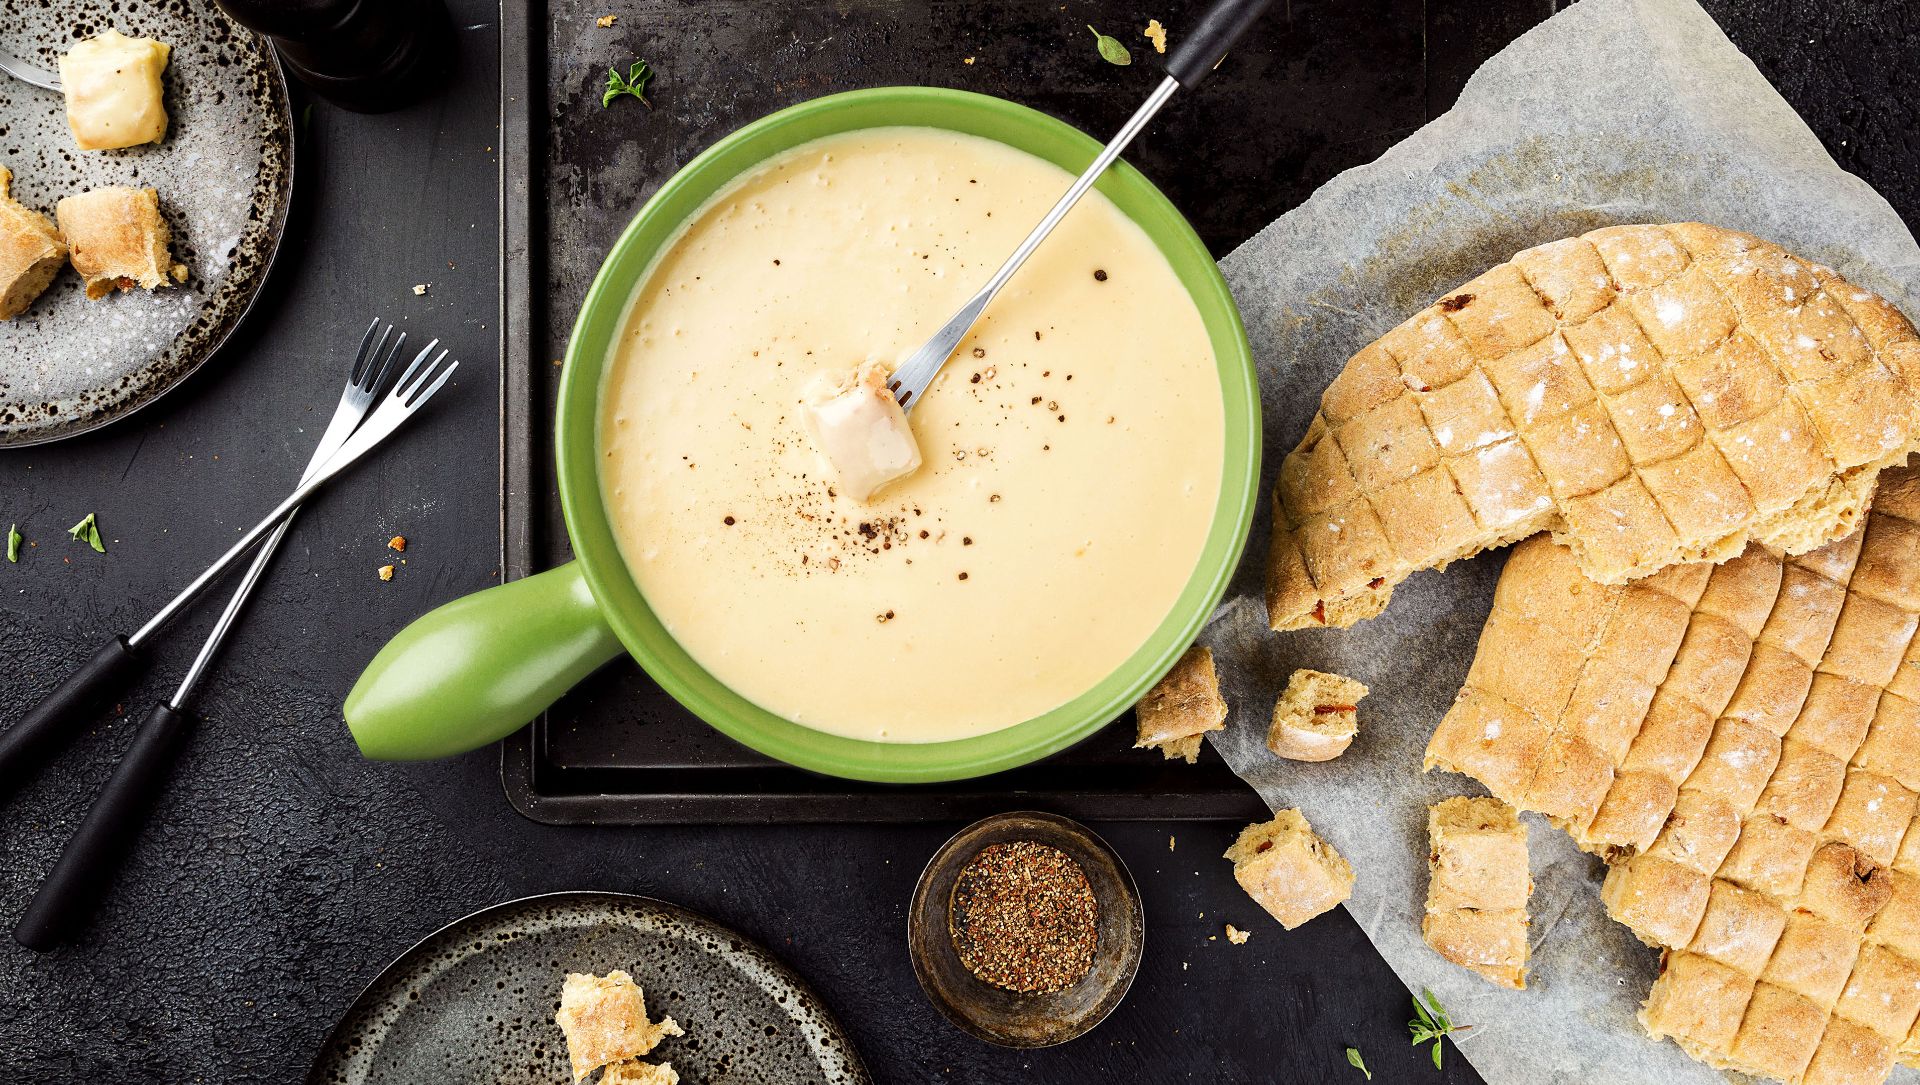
[(416, 395), (376, 375), (415, 366), (360, 357)]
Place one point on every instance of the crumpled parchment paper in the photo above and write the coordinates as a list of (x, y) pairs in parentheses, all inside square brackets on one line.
[(1613, 111)]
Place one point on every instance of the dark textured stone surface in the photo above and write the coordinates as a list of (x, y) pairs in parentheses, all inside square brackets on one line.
[(283, 872)]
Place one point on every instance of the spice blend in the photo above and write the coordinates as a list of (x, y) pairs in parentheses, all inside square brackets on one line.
[(1023, 917)]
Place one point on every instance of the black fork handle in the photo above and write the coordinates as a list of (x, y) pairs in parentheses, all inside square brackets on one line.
[(1200, 50), (71, 706), (64, 903)]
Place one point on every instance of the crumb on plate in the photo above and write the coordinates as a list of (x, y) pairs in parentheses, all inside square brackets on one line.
[(1157, 34)]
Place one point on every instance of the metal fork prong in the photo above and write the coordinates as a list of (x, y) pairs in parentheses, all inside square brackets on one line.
[(386, 365), (414, 397), (420, 399), (407, 377), (366, 351)]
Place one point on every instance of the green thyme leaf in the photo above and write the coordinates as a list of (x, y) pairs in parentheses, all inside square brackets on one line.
[(88, 531), (13, 544), (1111, 50), (634, 83), (1354, 1060), (1431, 1023)]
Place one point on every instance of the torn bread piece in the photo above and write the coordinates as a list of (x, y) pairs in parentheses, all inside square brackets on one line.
[(114, 96), (605, 1020), (1288, 870), (1317, 717), (118, 240), (1182, 707), (1478, 887), (31, 251), (1651, 395), (635, 1072)]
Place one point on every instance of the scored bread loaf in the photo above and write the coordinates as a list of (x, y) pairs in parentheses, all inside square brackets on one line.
[(1649, 394), (1742, 743)]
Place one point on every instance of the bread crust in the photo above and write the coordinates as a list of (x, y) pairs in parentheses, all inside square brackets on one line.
[(1741, 743), (1316, 717), (117, 239), (1182, 707), (604, 1019), (31, 251), (1288, 870), (1650, 395), (1477, 888)]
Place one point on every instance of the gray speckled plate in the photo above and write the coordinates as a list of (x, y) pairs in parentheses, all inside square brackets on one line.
[(225, 178), (474, 1002)]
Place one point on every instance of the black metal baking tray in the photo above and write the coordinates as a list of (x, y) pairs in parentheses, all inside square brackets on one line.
[(1258, 138)]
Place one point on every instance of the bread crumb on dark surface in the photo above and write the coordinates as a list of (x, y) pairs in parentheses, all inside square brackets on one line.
[(1156, 34)]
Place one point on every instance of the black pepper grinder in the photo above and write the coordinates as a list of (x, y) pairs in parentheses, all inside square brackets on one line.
[(365, 55)]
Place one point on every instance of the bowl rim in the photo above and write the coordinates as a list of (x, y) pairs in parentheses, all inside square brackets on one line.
[(603, 314)]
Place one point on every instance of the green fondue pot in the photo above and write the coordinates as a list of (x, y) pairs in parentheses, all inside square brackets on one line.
[(479, 668)]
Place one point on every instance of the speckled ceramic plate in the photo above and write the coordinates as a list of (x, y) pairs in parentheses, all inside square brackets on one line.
[(475, 1001), (224, 174)]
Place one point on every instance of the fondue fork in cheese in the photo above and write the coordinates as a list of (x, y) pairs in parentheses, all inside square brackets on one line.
[(113, 91), (861, 430)]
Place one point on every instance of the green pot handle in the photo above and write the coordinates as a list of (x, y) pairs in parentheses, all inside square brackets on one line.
[(479, 668)]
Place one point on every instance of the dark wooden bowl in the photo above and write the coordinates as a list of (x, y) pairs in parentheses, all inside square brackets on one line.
[(1009, 1018)]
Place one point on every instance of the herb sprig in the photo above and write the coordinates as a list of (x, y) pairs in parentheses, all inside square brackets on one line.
[(88, 531), (634, 83), (1110, 48), (1354, 1060), (14, 540), (1431, 1022)]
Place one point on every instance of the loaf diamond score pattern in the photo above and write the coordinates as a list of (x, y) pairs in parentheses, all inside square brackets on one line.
[(1741, 742), (1651, 395)]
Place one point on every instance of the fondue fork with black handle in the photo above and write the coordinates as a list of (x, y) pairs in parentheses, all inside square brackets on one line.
[(113, 668), (66, 898), (1197, 54)]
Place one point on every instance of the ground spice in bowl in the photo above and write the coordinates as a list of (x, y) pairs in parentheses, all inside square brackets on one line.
[(1023, 917)]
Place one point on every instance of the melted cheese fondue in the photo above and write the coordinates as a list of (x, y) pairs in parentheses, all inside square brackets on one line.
[(1073, 447)]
